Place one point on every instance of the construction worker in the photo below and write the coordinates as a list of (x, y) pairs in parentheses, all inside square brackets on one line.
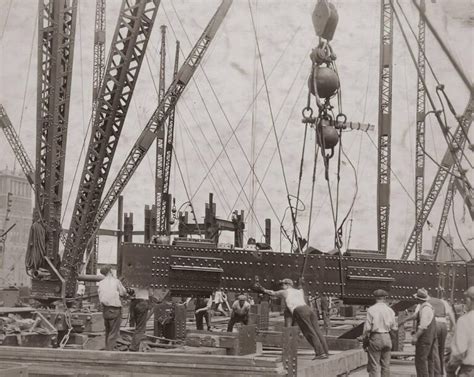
[(302, 315), (202, 311), (461, 362), (239, 313), (110, 289), (220, 298), (424, 338), (139, 307), (378, 324), (443, 312)]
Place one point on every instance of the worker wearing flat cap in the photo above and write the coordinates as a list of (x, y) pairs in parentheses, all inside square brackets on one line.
[(377, 342), (302, 314), (424, 339), (240, 312), (461, 363)]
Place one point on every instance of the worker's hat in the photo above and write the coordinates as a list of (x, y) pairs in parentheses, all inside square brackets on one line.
[(380, 293), (287, 281), (242, 298), (470, 293), (421, 294)]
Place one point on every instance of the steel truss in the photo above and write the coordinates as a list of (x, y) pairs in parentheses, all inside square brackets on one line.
[(420, 133), (99, 54), (160, 141), (384, 125), (162, 113), (165, 204), (57, 24), (126, 55), (451, 157), (18, 149)]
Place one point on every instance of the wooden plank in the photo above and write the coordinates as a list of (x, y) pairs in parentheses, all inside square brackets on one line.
[(273, 339), (339, 364)]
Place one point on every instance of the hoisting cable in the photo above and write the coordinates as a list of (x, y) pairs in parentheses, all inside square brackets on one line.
[(273, 126), (458, 233), (438, 116)]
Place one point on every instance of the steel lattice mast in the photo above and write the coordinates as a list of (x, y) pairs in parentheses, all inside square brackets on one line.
[(420, 133), (446, 166), (98, 70), (384, 125), (161, 113), (165, 204), (57, 24), (126, 55), (160, 140), (17, 147), (444, 216)]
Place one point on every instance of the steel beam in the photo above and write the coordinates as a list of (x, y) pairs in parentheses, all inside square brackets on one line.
[(126, 55), (57, 24), (98, 70), (162, 113), (444, 216), (384, 125)]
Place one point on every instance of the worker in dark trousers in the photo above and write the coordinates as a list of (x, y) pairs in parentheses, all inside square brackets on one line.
[(302, 315), (239, 313), (443, 312), (461, 363), (110, 289), (139, 307), (202, 311), (378, 324), (424, 338)]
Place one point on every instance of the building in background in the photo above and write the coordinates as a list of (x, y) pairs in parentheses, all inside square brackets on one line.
[(15, 196)]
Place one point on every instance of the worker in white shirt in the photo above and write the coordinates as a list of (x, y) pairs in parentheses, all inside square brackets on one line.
[(139, 307), (424, 338), (110, 289), (239, 313), (378, 324), (302, 315), (461, 363)]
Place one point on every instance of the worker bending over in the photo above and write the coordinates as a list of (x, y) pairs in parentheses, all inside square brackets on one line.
[(302, 315), (239, 312), (377, 342), (461, 363), (110, 289), (424, 338)]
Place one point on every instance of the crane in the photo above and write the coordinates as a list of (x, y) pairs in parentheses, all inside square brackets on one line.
[(126, 55), (384, 125), (420, 132), (161, 113), (57, 24)]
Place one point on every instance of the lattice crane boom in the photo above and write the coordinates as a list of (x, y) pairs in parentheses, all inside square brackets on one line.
[(160, 139), (161, 113), (446, 167), (165, 204), (57, 25), (420, 132), (126, 55), (17, 146), (98, 70), (384, 125)]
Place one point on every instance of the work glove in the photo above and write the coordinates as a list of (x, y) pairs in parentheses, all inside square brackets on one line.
[(258, 288)]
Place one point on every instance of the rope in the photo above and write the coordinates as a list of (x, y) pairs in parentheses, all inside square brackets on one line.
[(6, 19), (457, 232), (273, 125)]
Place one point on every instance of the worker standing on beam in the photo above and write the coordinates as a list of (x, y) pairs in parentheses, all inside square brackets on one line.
[(139, 307), (378, 324), (302, 315), (110, 289), (461, 363), (425, 336)]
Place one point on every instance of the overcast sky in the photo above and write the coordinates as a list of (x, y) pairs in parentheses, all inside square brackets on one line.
[(216, 101)]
